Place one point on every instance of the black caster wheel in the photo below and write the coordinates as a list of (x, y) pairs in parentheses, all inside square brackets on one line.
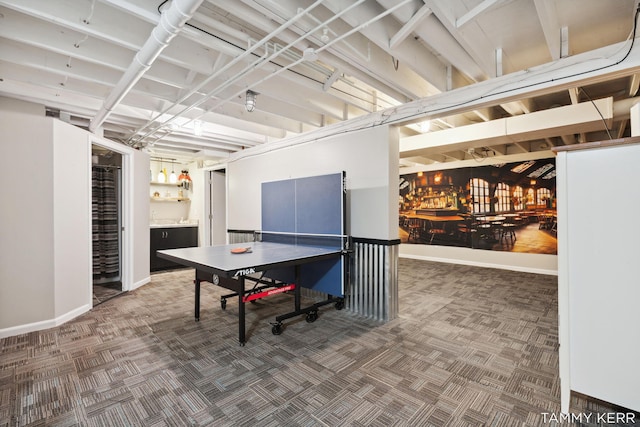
[(276, 329), (223, 304), (312, 316), (339, 304), (241, 344)]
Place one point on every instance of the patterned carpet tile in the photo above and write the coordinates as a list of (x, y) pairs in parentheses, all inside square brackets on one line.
[(471, 347)]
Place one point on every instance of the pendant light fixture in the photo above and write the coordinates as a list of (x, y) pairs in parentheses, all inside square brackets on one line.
[(250, 102), (162, 175), (173, 178)]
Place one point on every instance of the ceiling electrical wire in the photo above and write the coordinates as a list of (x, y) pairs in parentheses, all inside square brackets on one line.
[(551, 80), (389, 112), (599, 112), (256, 55)]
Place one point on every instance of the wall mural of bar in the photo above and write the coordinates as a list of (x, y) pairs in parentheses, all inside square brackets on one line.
[(501, 207)]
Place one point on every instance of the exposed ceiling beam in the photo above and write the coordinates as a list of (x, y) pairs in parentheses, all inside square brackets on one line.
[(473, 13), (634, 84), (551, 142), (598, 65), (409, 27), (435, 36), (500, 149), (573, 94), (620, 129), (425, 64), (474, 41), (548, 17), (522, 146), (485, 114), (455, 155)]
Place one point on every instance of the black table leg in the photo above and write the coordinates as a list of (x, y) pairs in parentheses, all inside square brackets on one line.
[(241, 329), (197, 292), (296, 291)]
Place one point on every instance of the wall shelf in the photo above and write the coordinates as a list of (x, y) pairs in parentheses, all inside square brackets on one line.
[(170, 199), (165, 184)]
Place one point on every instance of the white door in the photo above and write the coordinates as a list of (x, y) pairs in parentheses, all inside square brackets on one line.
[(217, 214)]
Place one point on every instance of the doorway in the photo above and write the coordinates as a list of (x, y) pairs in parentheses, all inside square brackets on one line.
[(216, 208), (106, 220)]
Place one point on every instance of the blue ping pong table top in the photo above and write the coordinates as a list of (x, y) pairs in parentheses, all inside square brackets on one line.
[(263, 256)]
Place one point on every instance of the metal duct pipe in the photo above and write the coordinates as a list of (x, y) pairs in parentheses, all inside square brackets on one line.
[(171, 22), (249, 68), (247, 53)]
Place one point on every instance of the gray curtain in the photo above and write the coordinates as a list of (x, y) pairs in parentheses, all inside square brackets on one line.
[(104, 212)]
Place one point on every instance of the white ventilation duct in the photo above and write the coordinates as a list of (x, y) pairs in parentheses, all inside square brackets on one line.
[(171, 22), (583, 117)]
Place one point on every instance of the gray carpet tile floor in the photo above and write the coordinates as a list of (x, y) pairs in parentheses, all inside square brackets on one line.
[(106, 291), (471, 347)]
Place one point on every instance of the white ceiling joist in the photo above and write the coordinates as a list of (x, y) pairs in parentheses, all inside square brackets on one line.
[(594, 66), (473, 13), (474, 41), (548, 17), (409, 27), (376, 30), (635, 83)]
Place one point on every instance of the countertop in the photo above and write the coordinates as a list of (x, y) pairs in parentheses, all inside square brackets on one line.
[(173, 223)]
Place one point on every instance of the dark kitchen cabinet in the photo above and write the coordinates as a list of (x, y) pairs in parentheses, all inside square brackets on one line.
[(170, 238)]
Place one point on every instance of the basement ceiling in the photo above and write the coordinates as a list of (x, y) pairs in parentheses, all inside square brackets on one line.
[(312, 64)]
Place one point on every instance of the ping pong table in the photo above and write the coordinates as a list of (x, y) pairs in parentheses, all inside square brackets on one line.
[(234, 271)]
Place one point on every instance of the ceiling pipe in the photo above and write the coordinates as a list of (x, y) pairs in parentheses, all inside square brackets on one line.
[(219, 72), (282, 69), (171, 22)]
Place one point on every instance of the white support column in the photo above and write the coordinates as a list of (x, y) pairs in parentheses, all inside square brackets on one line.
[(635, 119)]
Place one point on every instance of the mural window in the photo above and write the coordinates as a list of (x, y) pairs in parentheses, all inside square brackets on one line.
[(502, 198), (518, 201), (544, 195), (531, 198), (479, 189)]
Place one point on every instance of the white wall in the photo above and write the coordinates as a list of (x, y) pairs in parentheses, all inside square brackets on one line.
[(598, 292), (26, 216), (218, 208), (137, 217), (72, 219), (45, 220), (198, 190), (369, 157)]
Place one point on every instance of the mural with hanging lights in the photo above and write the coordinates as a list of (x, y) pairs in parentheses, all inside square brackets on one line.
[(502, 206)]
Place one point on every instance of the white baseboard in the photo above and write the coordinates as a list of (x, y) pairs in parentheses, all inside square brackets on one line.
[(50, 323), (44, 324), (483, 264), (140, 283)]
